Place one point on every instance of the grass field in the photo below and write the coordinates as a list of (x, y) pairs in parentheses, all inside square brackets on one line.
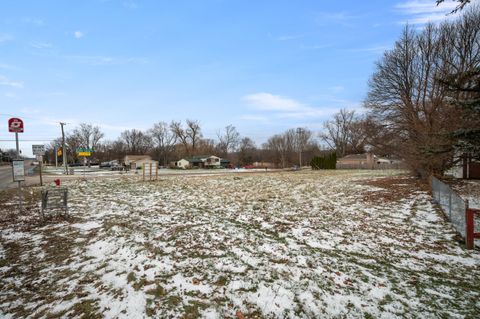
[(354, 244)]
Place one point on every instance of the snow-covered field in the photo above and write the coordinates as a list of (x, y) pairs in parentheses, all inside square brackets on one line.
[(339, 244)]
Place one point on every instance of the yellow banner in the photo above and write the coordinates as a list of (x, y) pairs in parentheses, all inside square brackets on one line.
[(84, 153)]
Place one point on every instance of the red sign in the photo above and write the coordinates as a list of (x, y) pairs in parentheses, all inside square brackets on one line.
[(15, 125)]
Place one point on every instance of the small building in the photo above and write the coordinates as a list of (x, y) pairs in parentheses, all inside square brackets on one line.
[(136, 161), (201, 161), (368, 161)]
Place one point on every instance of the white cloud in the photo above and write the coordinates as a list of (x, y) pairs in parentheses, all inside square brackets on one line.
[(281, 107), (373, 49), (270, 102), (5, 81), (424, 11), (78, 34)]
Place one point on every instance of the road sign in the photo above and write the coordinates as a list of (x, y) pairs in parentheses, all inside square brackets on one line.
[(15, 125), (18, 170), (59, 152), (82, 151), (38, 149)]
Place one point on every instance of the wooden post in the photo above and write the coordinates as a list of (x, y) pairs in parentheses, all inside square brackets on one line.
[(41, 179), (156, 171), (150, 175), (143, 171)]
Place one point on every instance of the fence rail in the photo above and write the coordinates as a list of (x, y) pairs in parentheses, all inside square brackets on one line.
[(454, 207)]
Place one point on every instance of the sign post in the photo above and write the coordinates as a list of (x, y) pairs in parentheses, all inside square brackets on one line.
[(15, 125), (85, 152), (39, 151)]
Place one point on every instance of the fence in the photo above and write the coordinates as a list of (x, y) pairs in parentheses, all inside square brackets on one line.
[(454, 207), (150, 170), (382, 166)]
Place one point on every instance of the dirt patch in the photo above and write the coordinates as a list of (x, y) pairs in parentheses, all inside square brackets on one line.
[(393, 189)]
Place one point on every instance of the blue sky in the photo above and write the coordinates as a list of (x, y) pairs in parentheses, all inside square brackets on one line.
[(263, 66)]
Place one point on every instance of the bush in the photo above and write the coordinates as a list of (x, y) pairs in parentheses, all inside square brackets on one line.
[(324, 162)]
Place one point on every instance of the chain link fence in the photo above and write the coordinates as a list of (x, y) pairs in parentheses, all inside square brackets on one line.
[(451, 203)]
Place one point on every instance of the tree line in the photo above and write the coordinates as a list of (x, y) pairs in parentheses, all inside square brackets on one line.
[(167, 142)]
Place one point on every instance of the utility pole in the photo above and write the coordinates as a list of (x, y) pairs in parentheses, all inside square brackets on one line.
[(64, 149), (300, 145)]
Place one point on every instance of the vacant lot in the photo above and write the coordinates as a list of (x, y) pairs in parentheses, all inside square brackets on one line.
[(278, 245)]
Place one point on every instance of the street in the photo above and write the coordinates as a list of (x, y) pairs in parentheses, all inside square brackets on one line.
[(6, 179)]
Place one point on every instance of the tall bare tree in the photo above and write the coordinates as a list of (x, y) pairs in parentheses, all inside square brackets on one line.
[(246, 151), (228, 140), (407, 100), (189, 136), (302, 139), (87, 136), (136, 142), (164, 141), (343, 133)]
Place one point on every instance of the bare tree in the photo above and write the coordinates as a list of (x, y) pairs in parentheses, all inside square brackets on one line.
[(228, 139), (342, 133), (136, 142), (282, 147), (246, 151), (407, 101), (164, 140), (302, 139), (194, 133), (87, 136), (188, 136), (460, 6)]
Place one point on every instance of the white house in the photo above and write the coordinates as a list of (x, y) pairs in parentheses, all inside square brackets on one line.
[(136, 161), (201, 161)]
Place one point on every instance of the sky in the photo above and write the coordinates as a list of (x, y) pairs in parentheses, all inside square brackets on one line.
[(263, 66)]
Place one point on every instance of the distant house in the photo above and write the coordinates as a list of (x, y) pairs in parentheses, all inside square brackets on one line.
[(201, 161), (136, 161), (368, 161)]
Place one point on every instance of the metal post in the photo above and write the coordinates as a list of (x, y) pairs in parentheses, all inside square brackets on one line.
[(64, 149), (41, 179), (56, 156), (20, 197)]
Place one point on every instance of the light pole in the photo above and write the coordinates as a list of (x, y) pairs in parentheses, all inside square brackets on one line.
[(64, 149)]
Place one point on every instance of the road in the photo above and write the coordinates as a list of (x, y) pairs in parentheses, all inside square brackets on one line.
[(6, 179)]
